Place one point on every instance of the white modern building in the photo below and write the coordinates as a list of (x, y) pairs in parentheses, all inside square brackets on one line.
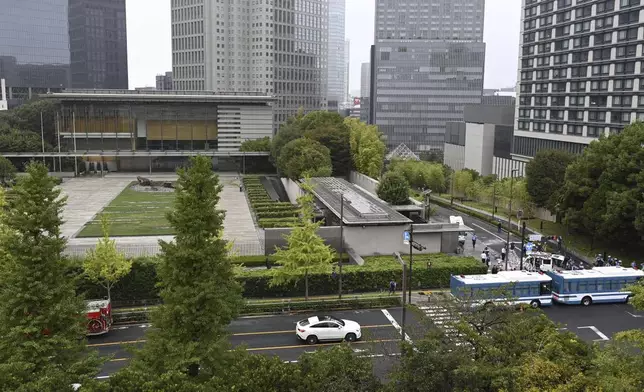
[(336, 57), (580, 73), (347, 70), (365, 80), (231, 46)]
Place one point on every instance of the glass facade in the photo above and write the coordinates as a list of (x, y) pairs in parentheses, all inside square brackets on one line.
[(34, 47), (98, 44), (428, 62), (336, 48)]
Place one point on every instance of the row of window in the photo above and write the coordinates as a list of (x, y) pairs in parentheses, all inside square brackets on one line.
[(592, 285), (568, 129), (584, 11), (625, 35), (623, 19), (627, 68), (578, 115), (584, 86)]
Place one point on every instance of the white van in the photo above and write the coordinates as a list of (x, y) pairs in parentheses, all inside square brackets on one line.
[(462, 236)]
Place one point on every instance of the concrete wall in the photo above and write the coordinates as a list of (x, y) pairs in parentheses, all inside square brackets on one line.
[(292, 188), (276, 237), (385, 240), (365, 182), (454, 156), (544, 214), (479, 148)]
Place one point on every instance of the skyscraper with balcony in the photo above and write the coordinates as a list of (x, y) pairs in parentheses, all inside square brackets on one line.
[(98, 44), (427, 64), (580, 72), (34, 48), (230, 46)]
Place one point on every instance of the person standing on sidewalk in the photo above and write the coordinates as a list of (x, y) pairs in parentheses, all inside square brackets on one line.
[(392, 287), (499, 227), (473, 240), (484, 258), (503, 254)]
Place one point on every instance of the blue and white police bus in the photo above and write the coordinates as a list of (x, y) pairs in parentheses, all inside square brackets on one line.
[(515, 287), (600, 285)]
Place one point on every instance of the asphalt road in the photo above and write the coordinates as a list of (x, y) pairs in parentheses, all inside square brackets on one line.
[(275, 335)]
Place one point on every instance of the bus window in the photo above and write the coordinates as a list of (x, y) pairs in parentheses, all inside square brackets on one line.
[(545, 289), (583, 286), (592, 286), (600, 285)]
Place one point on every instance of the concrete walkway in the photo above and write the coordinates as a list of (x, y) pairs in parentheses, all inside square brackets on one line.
[(86, 197)]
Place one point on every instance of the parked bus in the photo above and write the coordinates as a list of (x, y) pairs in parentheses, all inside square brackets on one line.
[(517, 287), (600, 284)]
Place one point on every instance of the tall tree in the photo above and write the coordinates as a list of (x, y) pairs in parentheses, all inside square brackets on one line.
[(545, 174), (306, 252), (394, 188), (603, 192), (42, 320), (27, 117), (7, 171), (463, 179), (105, 265), (367, 148), (336, 138), (199, 292), (304, 157), (292, 129), (257, 145)]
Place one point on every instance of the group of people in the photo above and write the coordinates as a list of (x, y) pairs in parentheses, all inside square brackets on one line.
[(613, 261)]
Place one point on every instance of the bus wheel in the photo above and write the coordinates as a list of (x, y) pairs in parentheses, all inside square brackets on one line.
[(535, 304), (586, 301)]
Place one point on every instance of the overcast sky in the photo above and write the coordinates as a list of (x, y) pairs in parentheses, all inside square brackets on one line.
[(148, 24)]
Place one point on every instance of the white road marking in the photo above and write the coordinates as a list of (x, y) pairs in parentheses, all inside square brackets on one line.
[(598, 332), (487, 231), (636, 315), (395, 324)]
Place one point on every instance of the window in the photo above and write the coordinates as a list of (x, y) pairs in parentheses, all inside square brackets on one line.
[(582, 27), (621, 118), (599, 85), (547, 7), (580, 57), (601, 69), (526, 88), (529, 37), (575, 129), (547, 21), (577, 86), (540, 101), (625, 68), (605, 6), (579, 72), (622, 101), (564, 16), (577, 101), (557, 101), (627, 34), (628, 3), (561, 59), (527, 75), (530, 24), (581, 42), (563, 3), (623, 85), (626, 51), (556, 128), (562, 31), (598, 101), (527, 63), (629, 17), (539, 127), (559, 73), (524, 113), (524, 101), (524, 125), (603, 38), (541, 87), (595, 131), (542, 75), (583, 12), (597, 116), (528, 50), (562, 45), (575, 115), (556, 115), (544, 48), (601, 54), (641, 100), (604, 23), (546, 60), (559, 87), (530, 11), (545, 34), (540, 113)]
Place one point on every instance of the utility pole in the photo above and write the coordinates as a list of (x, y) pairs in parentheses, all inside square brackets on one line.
[(507, 244), (404, 302), (411, 257)]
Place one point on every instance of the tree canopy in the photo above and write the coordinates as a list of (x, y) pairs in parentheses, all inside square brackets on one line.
[(367, 148), (420, 174), (304, 157), (258, 145), (7, 171), (394, 188), (603, 191), (545, 174)]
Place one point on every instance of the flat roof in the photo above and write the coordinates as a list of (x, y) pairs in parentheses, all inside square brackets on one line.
[(139, 153), (504, 277), (601, 272), (360, 207), (159, 96)]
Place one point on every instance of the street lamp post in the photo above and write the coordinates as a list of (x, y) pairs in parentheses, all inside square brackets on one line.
[(412, 245), (404, 304), (507, 244)]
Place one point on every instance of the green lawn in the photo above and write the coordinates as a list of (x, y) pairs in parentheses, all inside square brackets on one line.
[(134, 213)]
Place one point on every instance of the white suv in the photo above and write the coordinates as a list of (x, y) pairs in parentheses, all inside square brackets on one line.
[(326, 328)]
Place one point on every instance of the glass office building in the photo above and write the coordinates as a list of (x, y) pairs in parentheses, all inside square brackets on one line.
[(98, 44), (427, 64), (34, 47), (336, 47)]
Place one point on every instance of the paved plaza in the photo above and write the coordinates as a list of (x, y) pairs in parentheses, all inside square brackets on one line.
[(88, 196)]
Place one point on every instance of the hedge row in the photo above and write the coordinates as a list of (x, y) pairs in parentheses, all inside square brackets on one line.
[(269, 214), (374, 275)]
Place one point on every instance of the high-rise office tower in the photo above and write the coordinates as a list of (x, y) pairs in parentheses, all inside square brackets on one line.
[(164, 82), (336, 58), (251, 47), (580, 72), (98, 44), (427, 64), (347, 70), (365, 80), (34, 47)]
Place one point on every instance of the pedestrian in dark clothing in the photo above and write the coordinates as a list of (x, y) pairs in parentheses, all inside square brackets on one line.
[(499, 227), (392, 287), (473, 240)]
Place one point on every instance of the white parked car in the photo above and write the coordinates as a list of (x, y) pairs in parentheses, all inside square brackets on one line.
[(327, 328)]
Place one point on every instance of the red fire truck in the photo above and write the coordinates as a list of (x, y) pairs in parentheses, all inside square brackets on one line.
[(99, 317)]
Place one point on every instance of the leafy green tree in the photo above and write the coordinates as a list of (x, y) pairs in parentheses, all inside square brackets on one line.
[(463, 179), (367, 148), (258, 145), (421, 175), (42, 320), (198, 288), (289, 131), (394, 188), (637, 300), (306, 252), (105, 265), (7, 171), (335, 137), (304, 157), (545, 174), (603, 191), (27, 118), (20, 141), (619, 363)]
